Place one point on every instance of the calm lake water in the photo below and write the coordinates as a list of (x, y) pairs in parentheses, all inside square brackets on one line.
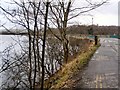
[(12, 42)]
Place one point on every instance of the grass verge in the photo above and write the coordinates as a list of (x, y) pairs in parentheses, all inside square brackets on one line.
[(60, 78)]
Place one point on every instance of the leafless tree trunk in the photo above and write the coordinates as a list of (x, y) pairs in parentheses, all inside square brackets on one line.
[(44, 45), (65, 40)]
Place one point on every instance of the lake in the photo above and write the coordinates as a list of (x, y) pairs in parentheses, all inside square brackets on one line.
[(8, 42), (11, 44)]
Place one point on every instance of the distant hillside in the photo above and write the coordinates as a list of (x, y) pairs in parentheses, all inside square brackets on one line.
[(75, 29), (83, 29), (97, 30)]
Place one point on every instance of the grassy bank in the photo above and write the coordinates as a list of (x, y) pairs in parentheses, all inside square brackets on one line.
[(60, 78), (68, 70)]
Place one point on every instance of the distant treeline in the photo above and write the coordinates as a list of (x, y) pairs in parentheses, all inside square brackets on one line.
[(78, 29), (12, 33), (95, 29)]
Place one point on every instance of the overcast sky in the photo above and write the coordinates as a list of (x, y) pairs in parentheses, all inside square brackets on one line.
[(104, 15)]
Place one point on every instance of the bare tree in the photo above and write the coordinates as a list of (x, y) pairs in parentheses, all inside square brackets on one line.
[(34, 16), (44, 40), (61, 13), (26, 15)]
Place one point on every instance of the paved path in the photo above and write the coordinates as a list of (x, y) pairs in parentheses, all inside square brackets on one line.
[(102, 70)]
